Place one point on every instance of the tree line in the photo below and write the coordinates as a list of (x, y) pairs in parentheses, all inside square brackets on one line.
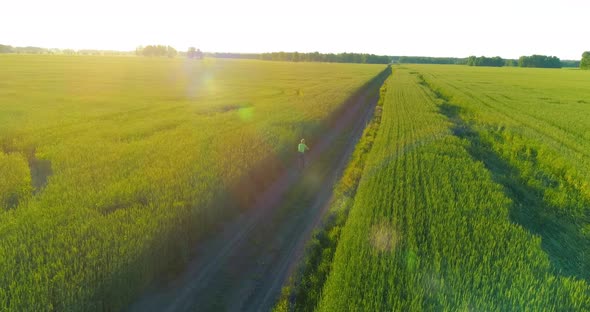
[(540, 61), (156, 50), (495, 61), (28, 50), (339, 58), (362, 58), (585, 62), (428, 60), (37, 50)]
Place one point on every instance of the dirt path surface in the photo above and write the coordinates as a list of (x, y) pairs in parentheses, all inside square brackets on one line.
[(244, 265)]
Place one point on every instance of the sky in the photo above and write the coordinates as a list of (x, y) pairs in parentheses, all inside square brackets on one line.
[(457, 28)]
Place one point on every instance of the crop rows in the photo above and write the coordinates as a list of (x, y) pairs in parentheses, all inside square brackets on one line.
[(536, 131), (431, 228), (112, 168)]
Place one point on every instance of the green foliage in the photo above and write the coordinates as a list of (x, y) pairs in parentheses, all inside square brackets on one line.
[(6, 49), (540, 61), (341, 58), (25, 50), (330, 57), (428, 60), (432, 226), (585, 62), (15, 185), (486, 61), (570, 63), (156, 50), (146, 156), (511, 63), (37, 50)]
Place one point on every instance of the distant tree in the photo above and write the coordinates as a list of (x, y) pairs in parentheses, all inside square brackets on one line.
[(148, 50), (318, 57), (30, 50), (510, 62), (570, 63), (541, 61), (308, 57), (157, 50), (38, 50), (315, 57), (6, 49), (496, 61), (585, 61), (485, 61), (194, 53), (191, 52), (428, 60), (171, 52), (161, 50)]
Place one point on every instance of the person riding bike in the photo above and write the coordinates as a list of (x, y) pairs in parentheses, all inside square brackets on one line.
[(301, 148)]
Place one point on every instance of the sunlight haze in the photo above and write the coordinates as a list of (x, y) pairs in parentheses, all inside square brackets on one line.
[(427, 28)]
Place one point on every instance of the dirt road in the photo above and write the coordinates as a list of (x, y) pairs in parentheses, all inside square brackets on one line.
[(244, 265)]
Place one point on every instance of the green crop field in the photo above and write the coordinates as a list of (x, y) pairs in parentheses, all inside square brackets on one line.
[(112, 167), (475, 196), (532, 130)]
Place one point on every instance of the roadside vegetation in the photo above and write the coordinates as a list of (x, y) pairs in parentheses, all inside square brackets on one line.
[(303, 291)]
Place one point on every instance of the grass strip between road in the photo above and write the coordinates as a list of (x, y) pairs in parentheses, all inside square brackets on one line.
[(303, 289)]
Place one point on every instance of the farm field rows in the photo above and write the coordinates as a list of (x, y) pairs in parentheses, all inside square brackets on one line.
[(114, 167), (532, 130), (474, 196), (243, 267)]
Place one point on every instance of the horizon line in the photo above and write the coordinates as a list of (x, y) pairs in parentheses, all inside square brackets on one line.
[(244, 53)]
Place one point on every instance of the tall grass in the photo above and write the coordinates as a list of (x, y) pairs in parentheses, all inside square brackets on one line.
[(113, 168), (431, 228)]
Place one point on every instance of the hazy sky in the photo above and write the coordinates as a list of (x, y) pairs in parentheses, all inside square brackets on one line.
[(508, 28)]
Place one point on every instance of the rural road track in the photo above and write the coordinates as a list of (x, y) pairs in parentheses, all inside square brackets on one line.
[(244, 265)]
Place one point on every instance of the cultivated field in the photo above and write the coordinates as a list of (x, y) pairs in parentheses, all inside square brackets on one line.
[(113, 167), (475, 196)]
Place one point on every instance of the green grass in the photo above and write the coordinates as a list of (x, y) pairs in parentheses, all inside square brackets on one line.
[(435, 223), (532, 130), (116, 166), (303, 290)]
